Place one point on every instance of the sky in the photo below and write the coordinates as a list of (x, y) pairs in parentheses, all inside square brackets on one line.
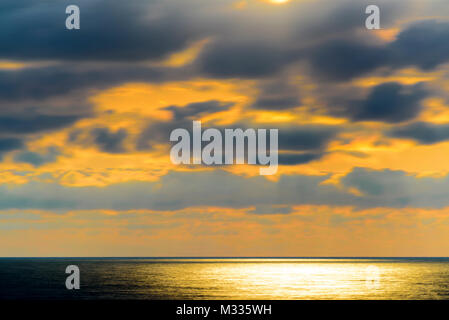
[(85, 119)]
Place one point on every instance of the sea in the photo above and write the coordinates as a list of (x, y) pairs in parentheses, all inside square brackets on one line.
[(226, 278)]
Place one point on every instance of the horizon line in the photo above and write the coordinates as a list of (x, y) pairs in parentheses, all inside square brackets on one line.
[(225, 257)]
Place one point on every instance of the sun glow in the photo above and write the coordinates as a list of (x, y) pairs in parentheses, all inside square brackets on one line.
[(279, 1)]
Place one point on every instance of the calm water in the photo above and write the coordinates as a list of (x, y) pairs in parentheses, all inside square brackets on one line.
[(227, 278)]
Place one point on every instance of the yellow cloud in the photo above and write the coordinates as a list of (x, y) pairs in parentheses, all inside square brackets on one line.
[(404, 76), (11, 65), (435, 110), (310, 230), (186, 56), (17, 65)]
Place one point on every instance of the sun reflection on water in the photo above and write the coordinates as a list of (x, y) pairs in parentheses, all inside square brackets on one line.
[(291, 279)]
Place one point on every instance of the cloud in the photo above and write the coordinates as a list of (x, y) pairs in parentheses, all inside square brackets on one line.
[(301, 158), (389, 188), (174, 191), (276, 102), (343, 59), (158, 132), (10, 144), (39, 83), (424, 133), (389, 102), (249, 43), (306, 138), (277, 94), (109, 141), (262, 210), (311, 141), (38, 159), (338, 219), (265, 43), (312, 56), (242, 60), (245, 44), (378, 188), (110, 30), (33, 123), (103, 138), (423, 44), (194, 111)]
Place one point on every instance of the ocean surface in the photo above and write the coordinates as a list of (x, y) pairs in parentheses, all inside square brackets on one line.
[(227, 278)]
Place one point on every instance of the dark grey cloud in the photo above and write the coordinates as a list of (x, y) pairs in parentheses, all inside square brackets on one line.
[(388, 102), (102, 138), (158, 132), (18, 124), (195, 110), (306, 138), (277, 94), (246, 43), (38, 159), (111, 30), (10, 144), (423, 44), (109, 141), (258, 43), (304, 144), (331, 19), (301, 158), (34, 123), (271, 210), (243, 60), (60, 80), (424, 133), (312, 140), (117, 30), (324, 34), (389, 188), (344, 59), (298, 145), (276, 102)]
